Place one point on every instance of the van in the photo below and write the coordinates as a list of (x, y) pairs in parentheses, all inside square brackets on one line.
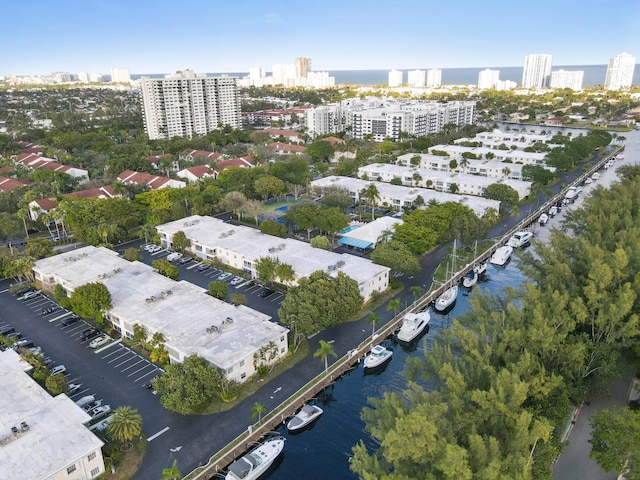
[(172, 257), (85, 400)]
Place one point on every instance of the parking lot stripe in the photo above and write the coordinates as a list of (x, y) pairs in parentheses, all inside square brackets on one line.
[(156, 435), (102, 349), (145, 375), (122, 363), (131, 366), (139, 370), (59, 317)]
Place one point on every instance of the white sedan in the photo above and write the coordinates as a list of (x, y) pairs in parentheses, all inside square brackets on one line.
[(98, 342)]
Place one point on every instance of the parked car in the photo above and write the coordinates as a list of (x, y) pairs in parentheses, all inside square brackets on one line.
[(185, 259), (84, 400), (69, 320), (92, 405), (100, 411), (34, 350), (154, 248), (14, 335), (99, 341), (251, 283), (58, 370), (23, 343), (236, 281), (102, 425), (89, 333), (6, 330), (267, 292), (28, 295), (172, 257), (224, 276), (203, 266), (23, 290), (73, 388)]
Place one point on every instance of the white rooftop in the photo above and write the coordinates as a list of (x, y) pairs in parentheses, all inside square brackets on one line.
[(56, 436), (180, 310), (371, 232), (252, 244)]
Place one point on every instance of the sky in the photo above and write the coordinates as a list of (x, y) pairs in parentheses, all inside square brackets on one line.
[(39, 37)]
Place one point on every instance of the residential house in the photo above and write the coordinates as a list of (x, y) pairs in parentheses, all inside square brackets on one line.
[(286, 148), (154, 182)]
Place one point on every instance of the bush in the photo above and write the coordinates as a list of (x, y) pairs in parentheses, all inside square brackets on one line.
[(322, 242), (395, 283), (271, 227)]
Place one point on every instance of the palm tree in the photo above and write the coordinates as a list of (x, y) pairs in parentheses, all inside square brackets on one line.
[(257, 410), (416, 291), (464, 163), (125, 425), (506, 171), (371, 196), (372, 319), (172, 473), (323, 352), (394, 304)]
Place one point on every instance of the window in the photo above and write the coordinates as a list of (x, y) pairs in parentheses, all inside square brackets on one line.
[(71, 469), (243, 376), (282, 338), (282, 350), (242, 363), (91, 456), (95, 471)]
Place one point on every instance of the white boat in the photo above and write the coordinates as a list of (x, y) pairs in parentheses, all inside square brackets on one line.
[(470, 279), (501, 255), (254, 463), (413, 324), (446, 299), (306, 415), (377, 356), (481, 268), (519, 239)]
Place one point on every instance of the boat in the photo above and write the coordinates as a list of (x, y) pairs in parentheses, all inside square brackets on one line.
[(470, 279), (306, 415), (520, 239), (501, 255), (254, 463), (413, 324), (377, 356), (449, 296)]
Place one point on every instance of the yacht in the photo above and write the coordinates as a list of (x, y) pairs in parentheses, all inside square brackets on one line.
[(377, 356), (254, 463), (446, 299), (306, 415), (501, 255), (520, 239), (413, 324)]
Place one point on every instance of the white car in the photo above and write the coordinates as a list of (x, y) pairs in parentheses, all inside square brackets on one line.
[(224, 276), (73, 388), (58, 370), (99, 341), (154, 248), (172, 257), (29, 295), (236, 280), (99, 412), (102, 425)]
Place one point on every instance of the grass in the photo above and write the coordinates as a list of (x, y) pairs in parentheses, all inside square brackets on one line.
[(130, 462)]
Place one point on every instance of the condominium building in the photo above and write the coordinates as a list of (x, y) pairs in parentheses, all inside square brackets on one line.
[(620, 72), (120, 75), (417, 78), (191, 321), (395, 78), (488, 78), (379, 119), (567, 79), (434, 77), (42, 437), (186, 104), (241, 247), (303, 66), (537, 70)]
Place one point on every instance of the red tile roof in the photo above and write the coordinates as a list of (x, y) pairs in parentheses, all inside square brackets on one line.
[(100, 192), (276, 132), (46, 204), (332, 140), (155, 158), (142, 178), (8, 184), (201, 153), (286, 147), (200, 171), (242, 162)]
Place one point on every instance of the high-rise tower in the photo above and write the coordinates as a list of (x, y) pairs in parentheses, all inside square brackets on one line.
[(537, 70), (620, 72)]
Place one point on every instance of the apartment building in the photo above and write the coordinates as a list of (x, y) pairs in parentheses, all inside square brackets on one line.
[(186, 104), (620, 72), (537, 70), (567, 79)]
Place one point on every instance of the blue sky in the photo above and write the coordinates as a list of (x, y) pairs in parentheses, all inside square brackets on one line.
[(162, 36)]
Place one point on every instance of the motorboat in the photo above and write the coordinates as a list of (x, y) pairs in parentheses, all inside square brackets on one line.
[(481, 268), (543, 219), (501, 255), (413, 324), (446, 299), (519, 239), (470, 279), (571, 194), (306, 415), (377, 356), (254, 463)]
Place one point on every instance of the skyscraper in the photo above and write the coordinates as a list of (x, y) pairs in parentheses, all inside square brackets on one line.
[(567, 79), (417, 78), (303, 66), (620, 72), (395, 78), (488, 78), (184, 105), (120, 75), (537, 70), (434, 77)]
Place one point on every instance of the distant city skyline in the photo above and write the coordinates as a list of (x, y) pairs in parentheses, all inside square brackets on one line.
[(146, 37)]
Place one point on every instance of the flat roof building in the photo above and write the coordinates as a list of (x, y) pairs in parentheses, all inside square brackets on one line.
[(42, 437), (396, 196), (240, 247), (191, 321)]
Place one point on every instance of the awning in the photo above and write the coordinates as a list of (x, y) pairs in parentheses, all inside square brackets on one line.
[(355, 242)]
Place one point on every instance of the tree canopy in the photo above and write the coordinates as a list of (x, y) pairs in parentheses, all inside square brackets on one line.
[(91, 301)]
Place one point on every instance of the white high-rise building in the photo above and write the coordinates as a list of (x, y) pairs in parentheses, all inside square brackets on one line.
[(120, 75), (284, 74), (488, 78), (395, 78), (434, 77), (417, 78), (620, 72), (186, 104), (537, 70), (567, 79), (256, 73)]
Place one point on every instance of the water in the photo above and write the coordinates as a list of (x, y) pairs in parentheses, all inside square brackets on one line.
[(593, 75)]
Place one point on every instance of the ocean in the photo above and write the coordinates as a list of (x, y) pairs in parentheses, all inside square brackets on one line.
[(593, 75)]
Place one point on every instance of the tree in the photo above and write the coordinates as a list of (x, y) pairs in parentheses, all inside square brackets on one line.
[(371, 196), (257, 410), (172, 473), (397, 256), (416, 291), (320, 150), (233, 201), (265, 268), (323, 353), (166, 268), (305, 215), (125, 425), (132, 254), (336, 196), (56, 384), (615, 441), (372, 319), (331, 220), (285, 273), (218, 289), (268, 186), (394, 304), (503, 193), (320, 241), (453, 188), (180, 241), (271, 227), (91, 301)]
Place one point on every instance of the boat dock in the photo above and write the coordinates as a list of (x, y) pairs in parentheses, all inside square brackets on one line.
[(352, 358)]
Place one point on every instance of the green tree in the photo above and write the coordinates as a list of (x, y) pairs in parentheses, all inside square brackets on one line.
[(91, 301), (371, 196), (305, 215), (397, 256), (233, 201), (336, 196), (238, 299), (266, 268), (180, 241), (166, 268), (416, 291), (372, 319), (269, 186), (503, 193), (323, 352), (320, 150), (257, 410), (320, 241), (218, 289), (56, 384), (615, 441), (132, 254), (172, 473), (331, 220), (125, 425), (271, 227), (394, 304), (285, 273)]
